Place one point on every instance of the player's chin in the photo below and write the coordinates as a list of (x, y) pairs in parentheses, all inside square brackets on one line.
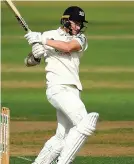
[(75, 32)]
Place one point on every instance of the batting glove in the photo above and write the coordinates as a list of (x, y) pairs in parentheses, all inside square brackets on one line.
[(35, 37), (38, 50), (30, 60)]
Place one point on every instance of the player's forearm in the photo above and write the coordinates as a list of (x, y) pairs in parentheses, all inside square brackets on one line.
[(59, 45)]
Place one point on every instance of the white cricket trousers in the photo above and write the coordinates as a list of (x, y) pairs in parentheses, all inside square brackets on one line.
[(70, 108), (70, 111)]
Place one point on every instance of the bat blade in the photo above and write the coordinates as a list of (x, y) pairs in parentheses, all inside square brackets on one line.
[(17, 14)]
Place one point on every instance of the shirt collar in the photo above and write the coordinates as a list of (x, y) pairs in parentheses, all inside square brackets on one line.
[(62, 32)]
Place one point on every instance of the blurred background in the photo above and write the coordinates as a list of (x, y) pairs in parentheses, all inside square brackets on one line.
[(107, 68), (106, 71)]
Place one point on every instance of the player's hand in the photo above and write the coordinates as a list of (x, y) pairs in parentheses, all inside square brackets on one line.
[(30, 60), (38, 50), (33, 37)]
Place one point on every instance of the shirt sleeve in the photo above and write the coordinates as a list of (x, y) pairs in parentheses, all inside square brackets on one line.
[(47, 34), (82, 41)]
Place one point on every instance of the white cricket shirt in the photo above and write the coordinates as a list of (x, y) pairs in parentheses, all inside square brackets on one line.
[(62, 68)]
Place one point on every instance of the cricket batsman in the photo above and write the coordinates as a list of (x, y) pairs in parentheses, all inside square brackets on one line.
[(61, 50)]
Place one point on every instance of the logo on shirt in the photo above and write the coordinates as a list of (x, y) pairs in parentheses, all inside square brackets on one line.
[(82, 39), (81, 13)]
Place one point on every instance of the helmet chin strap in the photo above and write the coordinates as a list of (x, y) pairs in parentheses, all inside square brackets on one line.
[(67, 25), (78, 31), (70, 31)]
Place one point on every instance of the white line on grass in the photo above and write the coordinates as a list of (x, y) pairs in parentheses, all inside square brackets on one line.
[(26, 159)]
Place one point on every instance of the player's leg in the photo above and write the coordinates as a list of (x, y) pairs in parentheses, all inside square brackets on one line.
[(77, 137), (84, 124), (68, 101), (54, 145)]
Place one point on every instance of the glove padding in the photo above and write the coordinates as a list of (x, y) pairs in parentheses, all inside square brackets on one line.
[(35, 37), (30, 60), (38, 50)]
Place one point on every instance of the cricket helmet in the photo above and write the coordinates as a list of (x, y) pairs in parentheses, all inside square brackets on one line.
[(73, 13)]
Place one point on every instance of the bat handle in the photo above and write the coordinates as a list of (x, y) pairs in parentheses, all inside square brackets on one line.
[(29, 31), (23, 23)]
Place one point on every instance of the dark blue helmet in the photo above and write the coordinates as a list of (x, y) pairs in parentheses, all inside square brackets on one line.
[(74, 13)]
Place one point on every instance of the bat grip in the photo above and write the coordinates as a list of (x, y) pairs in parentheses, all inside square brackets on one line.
[(29, 31), (23, 24)]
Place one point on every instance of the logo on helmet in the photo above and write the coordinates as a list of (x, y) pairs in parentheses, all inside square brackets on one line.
[(81, 13)]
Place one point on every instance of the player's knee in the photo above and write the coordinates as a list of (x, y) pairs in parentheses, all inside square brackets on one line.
[(88, 125), (58, 142), (78, 117)]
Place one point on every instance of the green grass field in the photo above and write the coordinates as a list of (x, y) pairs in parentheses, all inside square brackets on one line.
[(106, 71), (83, 160)]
